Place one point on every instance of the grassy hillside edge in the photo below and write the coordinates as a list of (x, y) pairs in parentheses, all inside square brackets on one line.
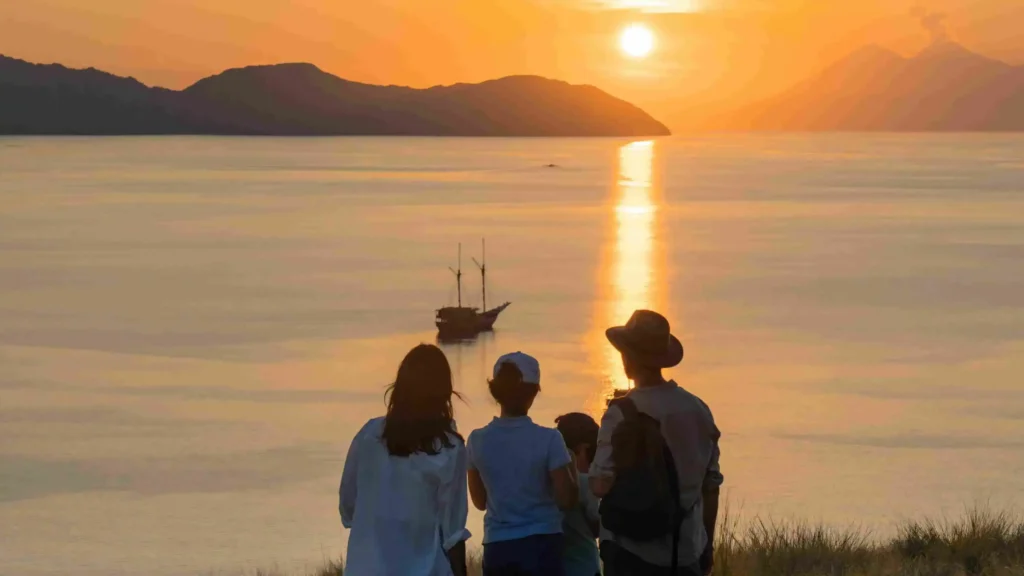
[(982, 542)]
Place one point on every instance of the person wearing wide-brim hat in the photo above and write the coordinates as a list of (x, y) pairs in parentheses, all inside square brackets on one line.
[(648, 347), (646, 341)]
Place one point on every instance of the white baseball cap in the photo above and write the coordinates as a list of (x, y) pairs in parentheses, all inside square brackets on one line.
[(527, 365)]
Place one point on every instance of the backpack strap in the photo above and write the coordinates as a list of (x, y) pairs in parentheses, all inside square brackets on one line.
[(627, 407), (677, 522), (677, 513)]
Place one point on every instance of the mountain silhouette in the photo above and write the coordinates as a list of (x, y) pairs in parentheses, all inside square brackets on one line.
[(52, 99), (301, 99), (944, 88)]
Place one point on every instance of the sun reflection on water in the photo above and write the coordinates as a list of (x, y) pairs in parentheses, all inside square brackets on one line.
[(632, 271)]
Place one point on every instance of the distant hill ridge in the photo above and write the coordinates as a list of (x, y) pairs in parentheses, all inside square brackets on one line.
[(944, 88), (301, 99)]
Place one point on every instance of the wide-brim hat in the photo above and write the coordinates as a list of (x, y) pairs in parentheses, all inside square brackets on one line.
[(648, 339)]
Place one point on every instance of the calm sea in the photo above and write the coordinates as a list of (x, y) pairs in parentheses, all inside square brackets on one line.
[(192, 329)]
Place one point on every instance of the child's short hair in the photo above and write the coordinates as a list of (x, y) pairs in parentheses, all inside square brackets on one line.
[(578, 429), (509, 390)]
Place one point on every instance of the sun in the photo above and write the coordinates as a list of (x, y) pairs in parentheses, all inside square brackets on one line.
[(637, 41)]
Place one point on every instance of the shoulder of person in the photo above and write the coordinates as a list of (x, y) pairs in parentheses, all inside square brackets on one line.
[(372, 430), (373, 426), (551, 434), (455, 429), (457, 440), (613, 413), (475, 436), (544, 429), (538, 434), (693, 398), (459, 449), (610, 420), (702, 405), (704, 411)]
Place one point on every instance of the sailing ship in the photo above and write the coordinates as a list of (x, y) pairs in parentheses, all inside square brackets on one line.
[(463, 321)]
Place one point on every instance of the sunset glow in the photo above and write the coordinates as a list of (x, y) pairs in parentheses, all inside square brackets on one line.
[(657, 6), (637, 41), (707, 54)]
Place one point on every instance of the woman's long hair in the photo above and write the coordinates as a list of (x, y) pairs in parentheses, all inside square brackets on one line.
[(420, 415)]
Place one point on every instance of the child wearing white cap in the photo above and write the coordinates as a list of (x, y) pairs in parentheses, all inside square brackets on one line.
[(521, 474)]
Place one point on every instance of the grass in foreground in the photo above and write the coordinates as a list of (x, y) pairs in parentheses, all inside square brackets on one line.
[(981, 543)]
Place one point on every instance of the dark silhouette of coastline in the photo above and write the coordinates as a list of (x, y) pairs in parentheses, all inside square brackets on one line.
[(944, 88), (301, 99)]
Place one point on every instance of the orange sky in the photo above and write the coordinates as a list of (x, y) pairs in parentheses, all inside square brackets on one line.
[(719, 51)]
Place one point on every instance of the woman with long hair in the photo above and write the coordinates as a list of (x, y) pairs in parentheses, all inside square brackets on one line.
[(403, 492)]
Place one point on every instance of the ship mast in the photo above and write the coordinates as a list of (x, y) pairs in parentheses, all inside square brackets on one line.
[(483, 271), (458, 274)]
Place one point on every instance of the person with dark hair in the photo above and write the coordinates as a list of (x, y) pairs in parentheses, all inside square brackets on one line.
[(522, 476), (581, 525), (403, 492), (656, 467)]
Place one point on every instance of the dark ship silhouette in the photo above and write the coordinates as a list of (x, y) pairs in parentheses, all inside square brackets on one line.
[(460, 322)]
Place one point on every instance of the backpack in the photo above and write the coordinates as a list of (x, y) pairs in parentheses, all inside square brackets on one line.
[(643, 503)]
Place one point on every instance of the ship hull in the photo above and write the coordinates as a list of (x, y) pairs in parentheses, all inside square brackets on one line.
[(467, 325)]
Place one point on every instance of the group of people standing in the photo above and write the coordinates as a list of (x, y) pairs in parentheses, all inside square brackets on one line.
[(637, 494)]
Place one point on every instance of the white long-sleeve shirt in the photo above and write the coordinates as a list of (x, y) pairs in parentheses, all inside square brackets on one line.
[(404, 512)]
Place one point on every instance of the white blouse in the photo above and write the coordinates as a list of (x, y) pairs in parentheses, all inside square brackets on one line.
[(404, 513)]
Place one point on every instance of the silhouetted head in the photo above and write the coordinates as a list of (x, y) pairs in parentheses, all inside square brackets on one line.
[(420, 414), (647, 344), (516, 383), (636, 369), (580, 434)]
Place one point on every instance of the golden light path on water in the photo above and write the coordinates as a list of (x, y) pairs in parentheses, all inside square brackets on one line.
[(632, 268)]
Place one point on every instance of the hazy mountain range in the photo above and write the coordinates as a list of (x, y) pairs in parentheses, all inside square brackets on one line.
[(300, 99), (944, 88)]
